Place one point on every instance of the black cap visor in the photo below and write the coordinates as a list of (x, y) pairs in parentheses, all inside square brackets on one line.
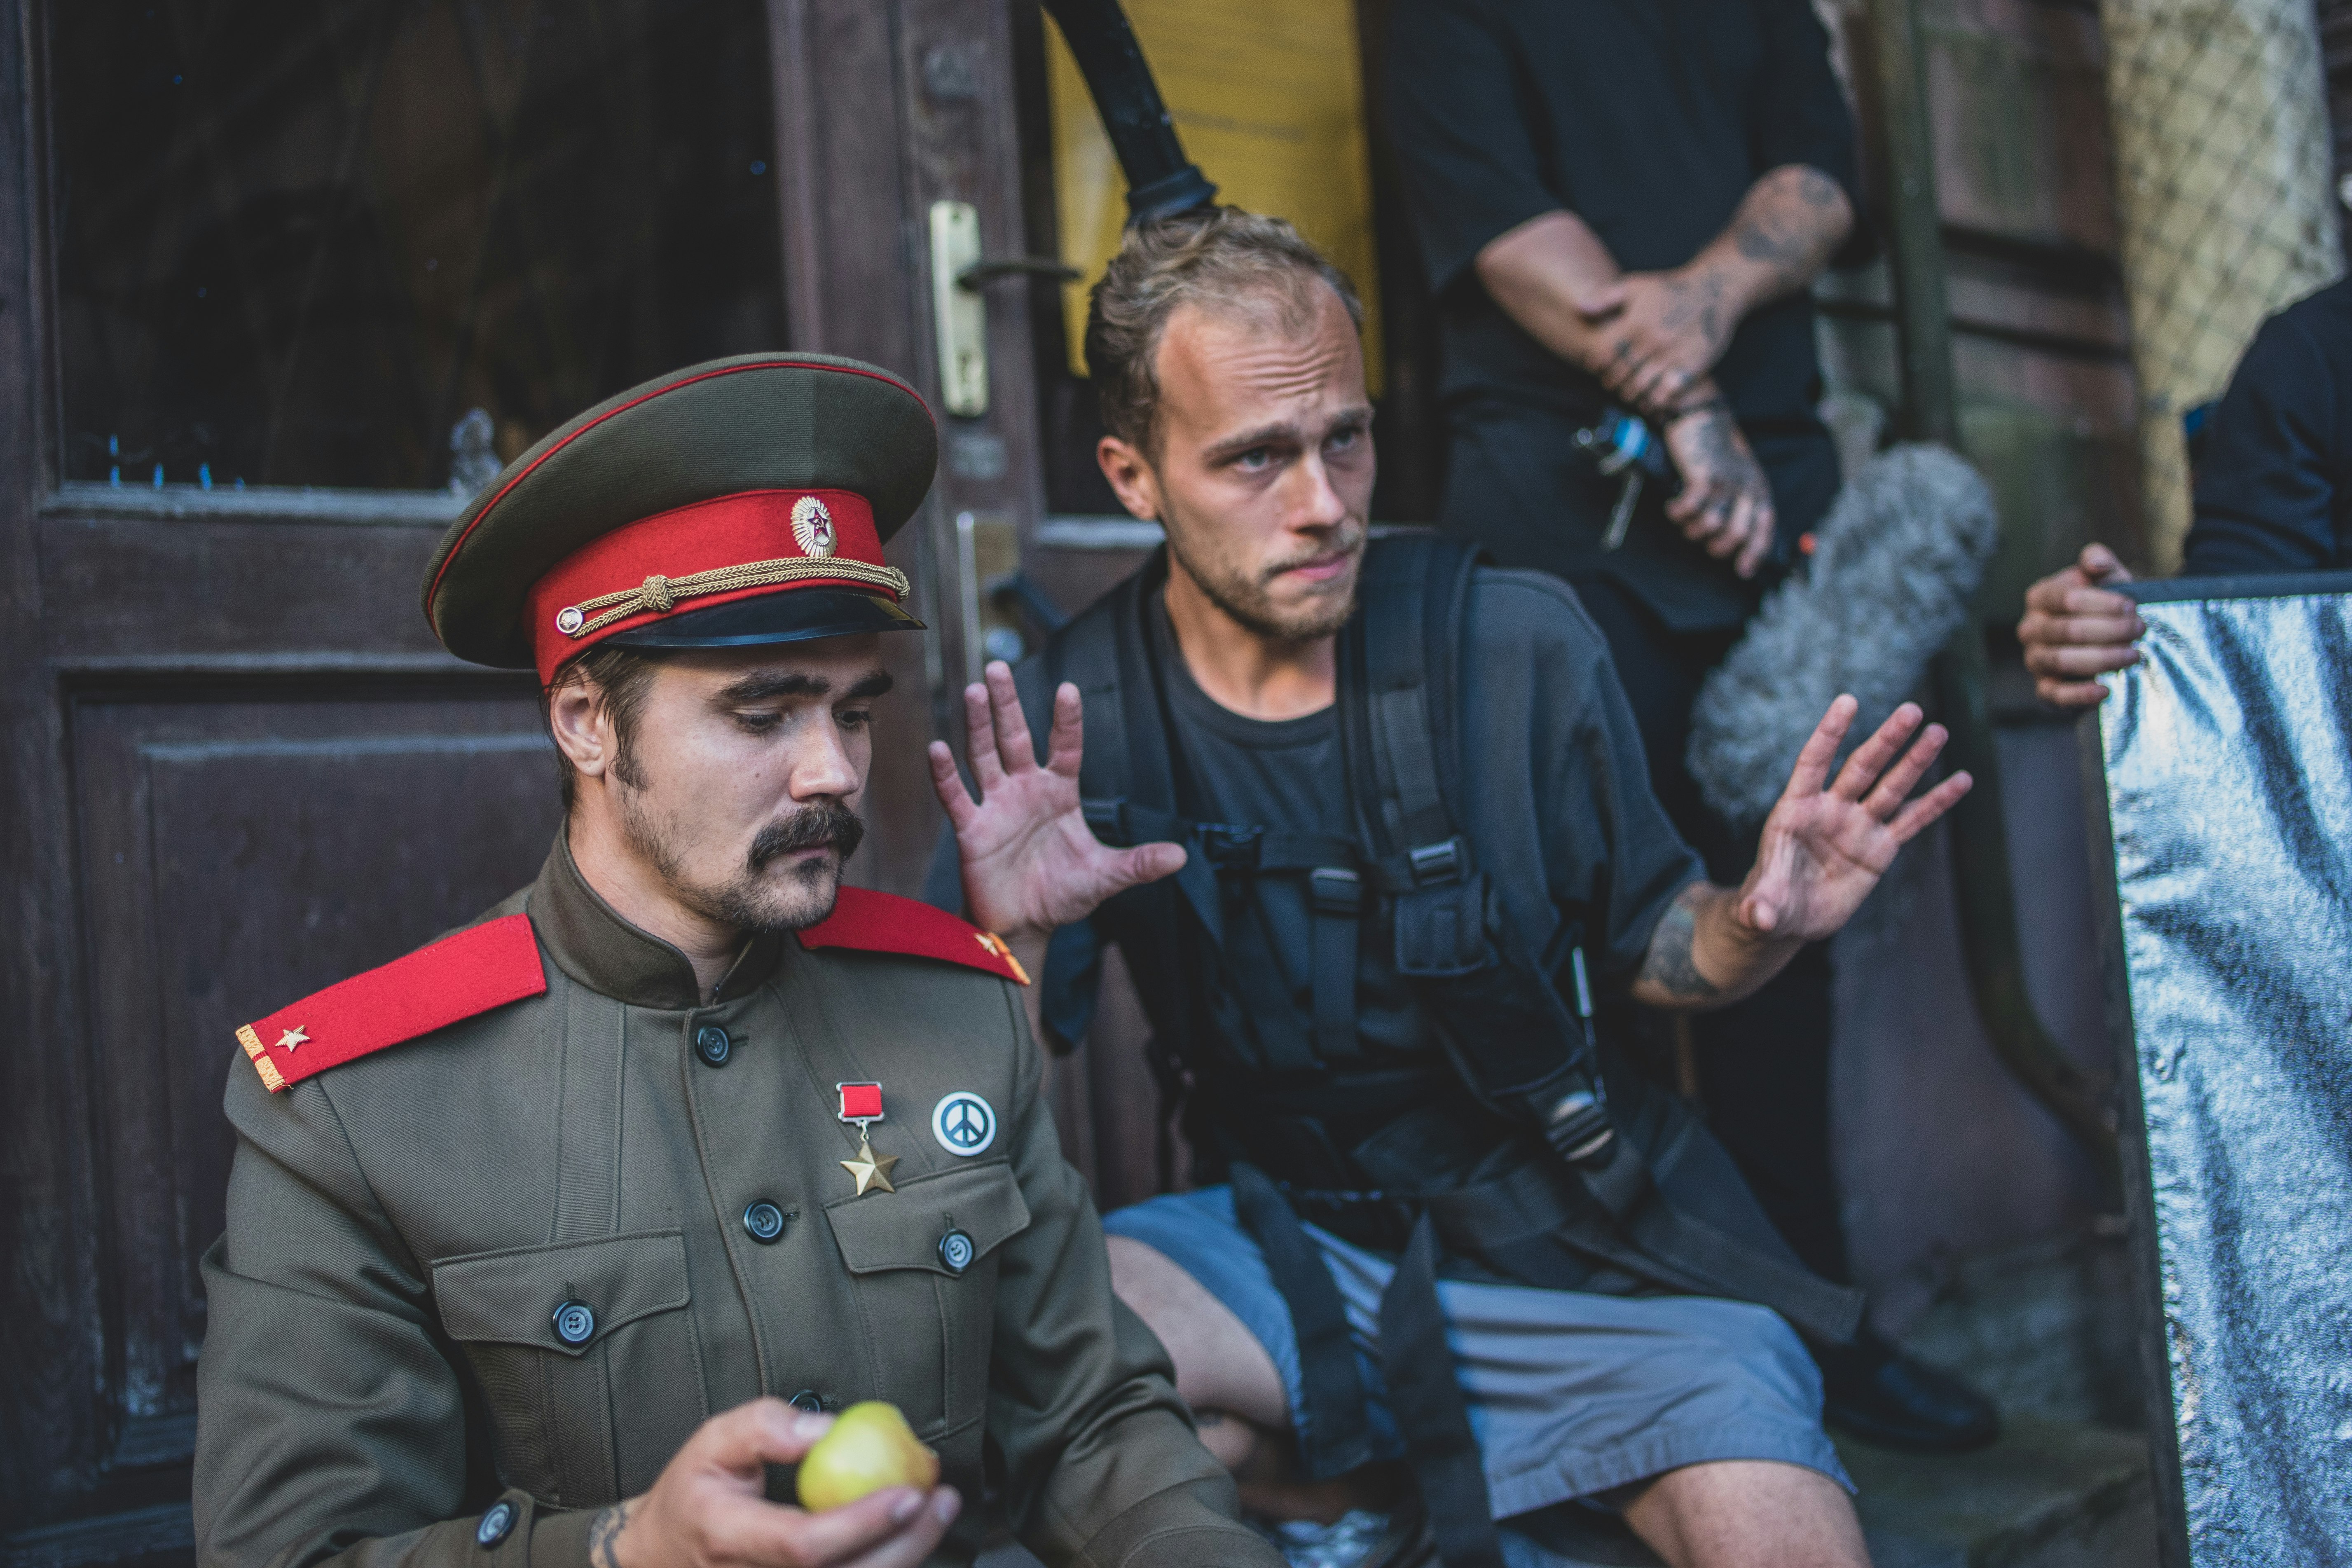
[(800, 615)]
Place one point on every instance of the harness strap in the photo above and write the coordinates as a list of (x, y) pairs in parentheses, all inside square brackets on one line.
[(1335, 897), (1425, 1392), (1334, 1433)]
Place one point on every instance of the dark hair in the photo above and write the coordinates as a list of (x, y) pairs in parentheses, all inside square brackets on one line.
[(1221, 258), (622, 676)]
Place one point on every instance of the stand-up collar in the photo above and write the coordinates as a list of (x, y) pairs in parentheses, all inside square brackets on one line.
[(590, 941)]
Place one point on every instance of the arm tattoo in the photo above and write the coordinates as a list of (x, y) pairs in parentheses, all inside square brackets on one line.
[(1718, 452), (604, 1535), (1668, 964), (1782, 230), (1818, 189)]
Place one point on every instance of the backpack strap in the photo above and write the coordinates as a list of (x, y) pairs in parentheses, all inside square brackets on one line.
[(1415, 595), (1535, 1057)]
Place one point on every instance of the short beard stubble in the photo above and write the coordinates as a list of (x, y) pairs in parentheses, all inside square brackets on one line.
[(1247, 597), (748, 900)]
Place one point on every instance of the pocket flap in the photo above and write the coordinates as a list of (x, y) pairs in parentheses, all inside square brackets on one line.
[(510, 1297), (902, 1229)]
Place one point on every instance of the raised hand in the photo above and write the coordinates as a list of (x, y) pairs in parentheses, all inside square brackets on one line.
[(1825, 849), (1030, 861)]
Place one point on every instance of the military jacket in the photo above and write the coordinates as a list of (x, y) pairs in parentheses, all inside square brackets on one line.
[(385, 1360)]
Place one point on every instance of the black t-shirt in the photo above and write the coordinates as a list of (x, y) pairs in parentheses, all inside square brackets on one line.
[(1557, 802), (1288, 775), (1647, 119), (2275, 485)]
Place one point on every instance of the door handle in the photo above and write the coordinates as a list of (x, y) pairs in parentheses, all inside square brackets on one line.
[(981, 274), (959, 314)]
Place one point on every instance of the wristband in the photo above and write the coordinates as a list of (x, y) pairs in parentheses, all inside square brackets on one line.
[(1708, 405)]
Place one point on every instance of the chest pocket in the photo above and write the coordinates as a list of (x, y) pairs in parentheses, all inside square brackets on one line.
[(902, 1248), (561, 1338)]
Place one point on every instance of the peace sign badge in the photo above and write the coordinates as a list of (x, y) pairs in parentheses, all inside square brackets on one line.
[(963, 1122)]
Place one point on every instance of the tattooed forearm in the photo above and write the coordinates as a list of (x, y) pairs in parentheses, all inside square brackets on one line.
[(1791, 220), (1715, 444), (1669, 965), (604, 1535), (1717, 468)]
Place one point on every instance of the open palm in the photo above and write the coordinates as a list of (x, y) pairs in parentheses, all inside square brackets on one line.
[(1030, 861), (1824, 848)]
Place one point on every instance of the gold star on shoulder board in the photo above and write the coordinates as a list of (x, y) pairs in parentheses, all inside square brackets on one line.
[(291, 1038), (871, 1169)]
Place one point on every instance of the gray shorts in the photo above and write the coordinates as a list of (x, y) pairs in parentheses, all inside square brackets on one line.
[(1570, 1394)]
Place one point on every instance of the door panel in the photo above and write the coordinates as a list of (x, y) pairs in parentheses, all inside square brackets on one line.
[(192, 590), (243, 846)]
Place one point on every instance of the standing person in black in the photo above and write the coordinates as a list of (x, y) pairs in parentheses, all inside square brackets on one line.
[(2274, 496), (1621, 204)]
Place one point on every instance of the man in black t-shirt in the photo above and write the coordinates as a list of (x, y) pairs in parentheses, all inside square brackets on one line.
[(1621, 208), (2274, 494), (1582, 1382)]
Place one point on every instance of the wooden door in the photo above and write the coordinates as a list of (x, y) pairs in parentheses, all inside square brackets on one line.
[(261, 264)]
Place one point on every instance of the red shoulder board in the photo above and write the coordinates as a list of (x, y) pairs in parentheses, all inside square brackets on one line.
[(484, 966), (882, 922)]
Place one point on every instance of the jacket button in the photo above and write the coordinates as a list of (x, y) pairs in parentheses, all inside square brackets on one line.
[(496, 1526), (807, 1399), (955, 1251), (711, 1044), (575, 1323), (765, 1221)]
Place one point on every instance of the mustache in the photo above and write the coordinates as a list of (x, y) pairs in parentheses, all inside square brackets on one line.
[(1347, 540), (811, 827)]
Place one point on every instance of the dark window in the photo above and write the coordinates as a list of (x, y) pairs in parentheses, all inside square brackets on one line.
[(302, 242)]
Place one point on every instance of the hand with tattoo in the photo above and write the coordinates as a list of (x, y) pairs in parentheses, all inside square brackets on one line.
[(708, 1510), (1824, 847), (1661, 333), (1726, 502)]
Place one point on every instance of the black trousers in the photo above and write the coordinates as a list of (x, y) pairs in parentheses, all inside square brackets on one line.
[(1515, 485)]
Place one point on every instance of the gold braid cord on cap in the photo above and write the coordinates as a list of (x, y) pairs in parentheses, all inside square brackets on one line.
[(660, 594)]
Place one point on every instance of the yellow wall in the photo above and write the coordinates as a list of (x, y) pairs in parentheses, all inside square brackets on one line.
[(1268, 97)]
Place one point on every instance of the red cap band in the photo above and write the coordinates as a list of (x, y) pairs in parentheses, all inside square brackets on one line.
[(713, 553)]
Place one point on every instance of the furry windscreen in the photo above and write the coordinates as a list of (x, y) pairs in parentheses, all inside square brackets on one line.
[(1894, 568)]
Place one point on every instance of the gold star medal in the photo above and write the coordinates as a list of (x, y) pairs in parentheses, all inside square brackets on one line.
[(862, 1103)]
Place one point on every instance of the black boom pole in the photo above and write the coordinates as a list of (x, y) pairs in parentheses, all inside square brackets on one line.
[(1161, 181)]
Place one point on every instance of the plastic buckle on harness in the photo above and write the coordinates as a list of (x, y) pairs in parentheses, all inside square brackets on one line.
[(1107, 819), (1229, 845), (1578, 1123), (1440, 862), (1335, 890)]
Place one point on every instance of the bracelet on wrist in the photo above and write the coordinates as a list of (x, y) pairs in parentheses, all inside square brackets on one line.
[(1705, 405)]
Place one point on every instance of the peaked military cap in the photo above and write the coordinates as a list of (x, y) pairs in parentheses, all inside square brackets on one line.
[(741, 502)]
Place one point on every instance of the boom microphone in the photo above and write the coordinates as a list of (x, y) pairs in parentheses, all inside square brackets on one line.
[(1161, 181), (1894, 568)]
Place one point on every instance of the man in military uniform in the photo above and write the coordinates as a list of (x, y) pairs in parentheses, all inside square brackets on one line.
[(537, 1235)]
